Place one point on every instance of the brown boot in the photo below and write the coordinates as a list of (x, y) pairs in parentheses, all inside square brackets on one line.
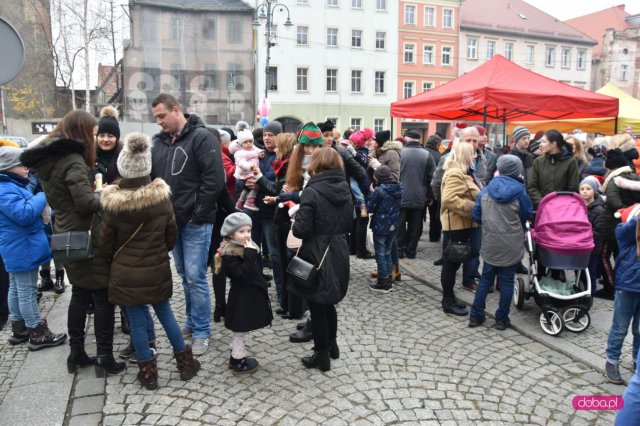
[(148, 375), (396, 275), (187, 365), (374, 274)]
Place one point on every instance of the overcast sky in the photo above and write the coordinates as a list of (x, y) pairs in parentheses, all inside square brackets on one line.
[(567, 9)]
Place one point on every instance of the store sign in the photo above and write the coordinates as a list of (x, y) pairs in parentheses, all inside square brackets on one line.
[(42, 127)]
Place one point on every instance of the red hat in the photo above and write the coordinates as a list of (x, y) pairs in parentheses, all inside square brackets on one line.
[(628, 213), (461, 125), (481, 129)]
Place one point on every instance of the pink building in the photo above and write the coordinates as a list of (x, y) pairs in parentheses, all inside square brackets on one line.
[(428, 54)]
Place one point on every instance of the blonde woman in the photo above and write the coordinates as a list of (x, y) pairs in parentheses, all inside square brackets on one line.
[(459, 193), (578, 152), (626, 144)]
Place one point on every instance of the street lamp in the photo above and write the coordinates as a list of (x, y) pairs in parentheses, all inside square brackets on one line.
[(264, 11)]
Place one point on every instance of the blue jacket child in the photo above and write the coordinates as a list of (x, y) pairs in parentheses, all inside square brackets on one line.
[(384, 203)]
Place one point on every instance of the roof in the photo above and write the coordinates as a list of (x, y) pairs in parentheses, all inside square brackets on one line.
[(199, 5), (595, 24), (517, 18), (504, 90)]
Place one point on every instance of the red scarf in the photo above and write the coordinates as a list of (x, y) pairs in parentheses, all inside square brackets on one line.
[(280, 166)]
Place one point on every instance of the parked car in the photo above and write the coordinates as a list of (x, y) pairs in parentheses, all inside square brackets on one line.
[(17, 139)]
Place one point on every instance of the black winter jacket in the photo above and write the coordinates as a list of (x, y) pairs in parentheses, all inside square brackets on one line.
[(192, 166), (598, 221), (325, 216), (353, 169)]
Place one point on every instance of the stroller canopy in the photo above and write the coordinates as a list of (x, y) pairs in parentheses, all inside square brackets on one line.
[(562, 224)]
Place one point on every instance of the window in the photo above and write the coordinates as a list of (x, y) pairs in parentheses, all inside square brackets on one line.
[(491, 49), (582, 59), (624, 72), (566, 58), (529, 53), (332, 37), (409, 53), (272, 78), (427, 54), (234, 31), (508, 51), (302, 79), (409, 14), (356, 81), (334, 120), (550, 57), (356, 123), (332, 3), (302, 36), (472, 48), (234, 76), (447, 18), (429, 16), (149, 32), (446, 56), (356, 4), (379, 81), (408, 89), (177, 28), (176, 77), (210, 77), (356, 38), (209, 29), (332, 80), (380, 39), (381, 5), (378, 124), (426, 85)]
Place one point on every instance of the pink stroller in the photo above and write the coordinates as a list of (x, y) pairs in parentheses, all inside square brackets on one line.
[(562, 239)]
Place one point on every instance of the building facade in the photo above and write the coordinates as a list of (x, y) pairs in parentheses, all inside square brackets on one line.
[(428, 32), (337, 61), (616, 56), (528, 37), (200, 52)]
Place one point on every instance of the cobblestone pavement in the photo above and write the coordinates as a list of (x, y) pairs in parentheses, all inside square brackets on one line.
[(402, 360), (589, 346)]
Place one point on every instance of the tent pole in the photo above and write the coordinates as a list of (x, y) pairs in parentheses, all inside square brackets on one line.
[(391, 127), (615, 130), (484, 118)]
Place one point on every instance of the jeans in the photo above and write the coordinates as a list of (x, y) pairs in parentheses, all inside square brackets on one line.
[(103, 318), (324, 324), (263, 226), (139, 335), (489, 272), (626, 310), (394, 250), (470, 267), (410, 231), (151, 332), (23, 305), (383, 245), (630, 413), (190, 256), (357, 194)]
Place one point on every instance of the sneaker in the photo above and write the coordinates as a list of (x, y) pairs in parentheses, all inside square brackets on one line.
[(502, 324), (613, 373), (245, 366), (186, 332), (250, 204), (382, 285), (133, 359), (475, 321), (19, 333), (40, 337), (471, 287), (200, 346)]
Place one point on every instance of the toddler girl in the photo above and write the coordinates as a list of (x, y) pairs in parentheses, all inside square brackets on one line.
[(247, 156)]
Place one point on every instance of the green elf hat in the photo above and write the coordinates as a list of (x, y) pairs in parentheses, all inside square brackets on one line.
[(309, 134)]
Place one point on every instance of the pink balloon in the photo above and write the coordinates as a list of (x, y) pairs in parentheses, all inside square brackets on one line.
[(265, 107)]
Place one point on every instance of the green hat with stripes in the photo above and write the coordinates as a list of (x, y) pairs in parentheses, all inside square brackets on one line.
[(310, 134)]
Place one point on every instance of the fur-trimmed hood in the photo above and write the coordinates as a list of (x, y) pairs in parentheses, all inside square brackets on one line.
[(613, 174), (126, 196), (46, 154), (392, 145), (232, 249)]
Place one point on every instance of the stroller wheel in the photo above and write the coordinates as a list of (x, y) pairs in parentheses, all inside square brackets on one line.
[(553, 326), (519, 293), (576, 320)]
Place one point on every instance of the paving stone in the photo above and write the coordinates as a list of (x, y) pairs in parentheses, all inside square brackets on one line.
[(87, 405), (86, 420)]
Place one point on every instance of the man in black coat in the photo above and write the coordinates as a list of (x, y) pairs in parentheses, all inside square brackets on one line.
[(435, 227)]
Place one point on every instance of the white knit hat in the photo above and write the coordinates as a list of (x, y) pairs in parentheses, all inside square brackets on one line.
[(135, 158), (243, 136)]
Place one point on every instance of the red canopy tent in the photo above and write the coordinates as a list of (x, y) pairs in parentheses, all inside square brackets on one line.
[(500, 90)]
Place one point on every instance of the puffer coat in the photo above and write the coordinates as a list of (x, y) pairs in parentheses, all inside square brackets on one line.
[(65, 177), (325, 216), (553, 172), (140, 268)]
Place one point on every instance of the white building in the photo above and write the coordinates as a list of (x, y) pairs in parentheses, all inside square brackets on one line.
[(338, 61), (527, 36)]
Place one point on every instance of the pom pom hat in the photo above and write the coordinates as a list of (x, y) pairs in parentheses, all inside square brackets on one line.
[(134, 160), (108, 122)]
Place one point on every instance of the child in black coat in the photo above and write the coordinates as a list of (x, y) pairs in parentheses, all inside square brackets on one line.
[(590, 192), (248, 306)]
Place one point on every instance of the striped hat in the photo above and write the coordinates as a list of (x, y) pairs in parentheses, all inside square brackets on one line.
[(309, 134), (519, 132)]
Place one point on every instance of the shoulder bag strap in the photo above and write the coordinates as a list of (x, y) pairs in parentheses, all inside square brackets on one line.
[(130, 238)]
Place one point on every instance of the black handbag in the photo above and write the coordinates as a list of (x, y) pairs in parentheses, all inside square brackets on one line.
[(305, 274), (72, 246)]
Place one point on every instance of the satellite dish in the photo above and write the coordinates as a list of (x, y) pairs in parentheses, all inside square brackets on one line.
[(12, 52)]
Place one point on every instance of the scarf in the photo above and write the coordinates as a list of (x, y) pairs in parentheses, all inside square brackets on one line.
[(280, 166), (614, 173)]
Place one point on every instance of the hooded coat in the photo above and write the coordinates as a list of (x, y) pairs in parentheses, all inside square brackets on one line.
[(502, 208), (622, 188), (248, 306), (390, 157), (553, 172), (192, 167), (324, 217), (384, 205), (140, 266), (65, 178)]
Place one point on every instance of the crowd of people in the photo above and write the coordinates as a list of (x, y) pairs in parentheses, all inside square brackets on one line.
[(239, 200)]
